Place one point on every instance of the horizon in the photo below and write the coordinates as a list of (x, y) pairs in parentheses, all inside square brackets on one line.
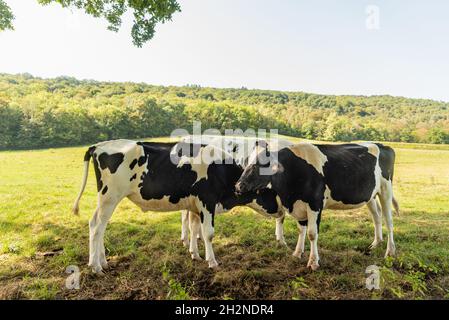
[(220, 88), (359, 48)]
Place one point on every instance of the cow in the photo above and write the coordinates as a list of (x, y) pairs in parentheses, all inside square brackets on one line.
[(164, 177), (240, 148), (309, 178)]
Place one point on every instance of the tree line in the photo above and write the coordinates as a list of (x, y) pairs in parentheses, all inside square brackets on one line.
[(37, 113)]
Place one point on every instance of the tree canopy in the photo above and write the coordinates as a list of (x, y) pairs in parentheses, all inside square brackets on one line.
[(65, 111), (6, 16), (146, 14)]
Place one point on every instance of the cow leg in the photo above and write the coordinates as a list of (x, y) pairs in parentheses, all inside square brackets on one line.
[(185, 227), (195, 227), (199, 236), (207, 228), (386, 198), (103, 260), (376, 214), (313, 218), (97, 227), (92, 244), (302, 226), (280, 230)]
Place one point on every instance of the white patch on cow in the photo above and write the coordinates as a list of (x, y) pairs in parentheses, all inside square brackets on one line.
[(372, 148), (311, 154), (378, 177), (205, 156), (114, 146), (300, 210), (163, 204)]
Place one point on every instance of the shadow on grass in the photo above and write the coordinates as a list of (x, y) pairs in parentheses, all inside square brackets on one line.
[(146, 258)]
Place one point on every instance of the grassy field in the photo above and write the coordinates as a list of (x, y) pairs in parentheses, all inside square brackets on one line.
[(39, 238)]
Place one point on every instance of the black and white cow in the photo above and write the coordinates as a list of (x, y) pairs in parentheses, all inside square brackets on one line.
[(309, 178), (164, 177), (240, 148)]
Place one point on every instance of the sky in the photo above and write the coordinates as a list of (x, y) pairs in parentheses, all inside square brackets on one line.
[(396, 47)]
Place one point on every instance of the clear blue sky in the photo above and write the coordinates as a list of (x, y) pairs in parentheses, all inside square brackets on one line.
[(313, 46)]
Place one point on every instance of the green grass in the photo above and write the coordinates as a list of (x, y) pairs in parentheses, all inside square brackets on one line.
[(37, 189)]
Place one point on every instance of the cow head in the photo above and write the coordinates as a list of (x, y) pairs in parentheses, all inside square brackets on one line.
[(262, 165)]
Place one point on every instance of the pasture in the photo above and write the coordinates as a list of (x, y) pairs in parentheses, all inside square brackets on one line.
[(40, 237)]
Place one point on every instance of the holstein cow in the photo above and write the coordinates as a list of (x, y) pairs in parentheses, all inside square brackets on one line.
[(164, 177), (240, 148), (309, 178)]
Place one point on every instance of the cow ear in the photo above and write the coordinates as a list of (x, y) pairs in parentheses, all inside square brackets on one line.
[(277, 167)]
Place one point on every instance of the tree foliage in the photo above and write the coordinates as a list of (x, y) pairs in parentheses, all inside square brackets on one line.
[(146, 14), (64, 111), (6, 16)]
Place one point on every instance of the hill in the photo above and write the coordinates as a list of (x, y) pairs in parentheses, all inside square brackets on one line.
[(64, 111)]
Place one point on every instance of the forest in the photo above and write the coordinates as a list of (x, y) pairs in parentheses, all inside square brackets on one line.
[(64, 111)]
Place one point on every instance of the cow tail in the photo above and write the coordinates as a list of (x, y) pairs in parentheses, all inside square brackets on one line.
[(87, 156), (395, 205)]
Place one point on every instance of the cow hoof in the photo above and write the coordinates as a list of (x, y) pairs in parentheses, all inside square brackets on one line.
[(185, 242), (390, 253), (374, 244), (297, 254), (213, 264), (105, 265), (98, 271), (196, 256), (282, 243), (313, 264)]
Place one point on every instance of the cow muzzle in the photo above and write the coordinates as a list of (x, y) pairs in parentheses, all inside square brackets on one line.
[(238, 188)]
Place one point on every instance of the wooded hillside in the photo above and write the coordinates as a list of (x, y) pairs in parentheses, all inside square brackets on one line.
[(64, 111)]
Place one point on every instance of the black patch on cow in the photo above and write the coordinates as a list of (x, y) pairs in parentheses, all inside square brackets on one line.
[(110, 161), (163, 177), (298, 181), (349, 172), (97, 173), (266, 198), (105, 189), (318, 222), (386, 161), (133, 164), (133, 177), (202, 216), (142, 160)]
